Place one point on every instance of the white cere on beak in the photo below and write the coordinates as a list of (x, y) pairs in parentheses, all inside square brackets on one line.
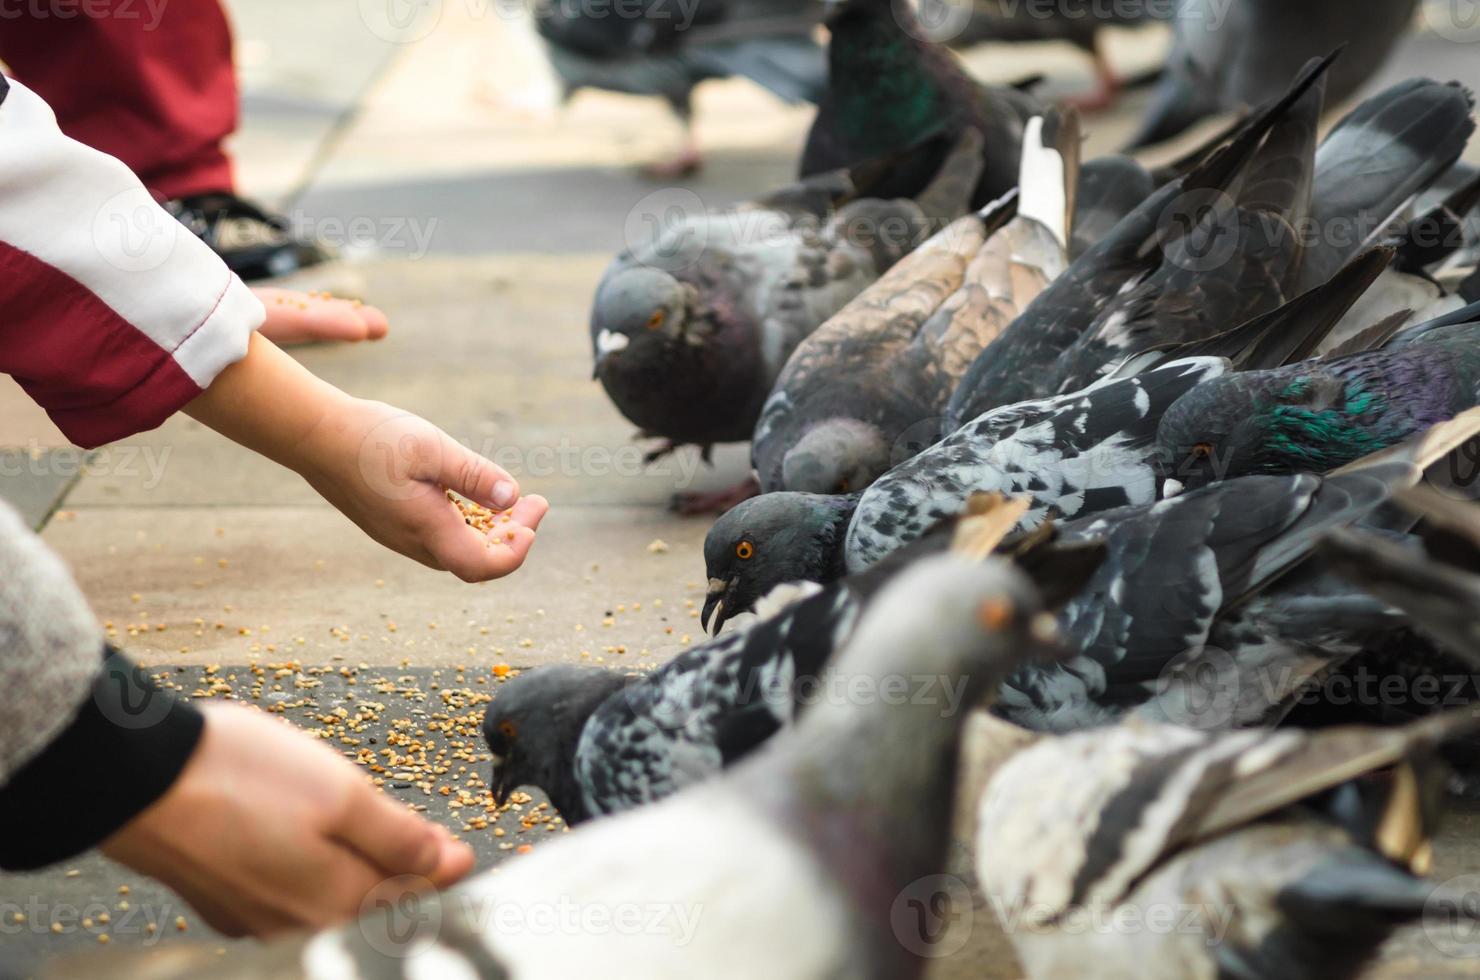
[(1171, 488), (1044, 628), (496, 759), (716, 586), (608, 342)]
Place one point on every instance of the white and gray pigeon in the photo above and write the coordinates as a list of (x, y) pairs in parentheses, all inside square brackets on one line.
[(1229, 56), (667, 48), (787, 867), (690, 328), (597, 742), (873, 381), (1161, 852), (1068, 454)]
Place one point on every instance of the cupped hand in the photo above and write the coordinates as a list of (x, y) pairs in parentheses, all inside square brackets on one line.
[(388, 470), (267, 829)]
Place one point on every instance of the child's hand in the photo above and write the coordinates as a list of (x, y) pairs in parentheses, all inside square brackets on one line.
[(306, 318), (266, 830), (386, 470)]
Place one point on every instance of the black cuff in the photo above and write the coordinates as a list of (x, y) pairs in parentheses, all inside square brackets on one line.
[(123, 750)]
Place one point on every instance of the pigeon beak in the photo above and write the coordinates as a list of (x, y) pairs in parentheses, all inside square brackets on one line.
[(714, 605), (1172, 488), (499, 786)]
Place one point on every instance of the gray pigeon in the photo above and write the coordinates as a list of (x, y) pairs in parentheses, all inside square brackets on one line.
[(1160, 852), (690, 329), (1235, 55), (667, 48), (874, 379), (789, 866)]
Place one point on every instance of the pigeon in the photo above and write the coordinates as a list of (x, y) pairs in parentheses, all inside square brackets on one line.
[(1322, 413), (668, 48), (598, 743), (1233, 55), (875, 378), (1238, 258), (1141, 265), (1163, 852), (690, 330), (891, 88), (788, 865), (962, 23), (1179, 571), (1068, 455)]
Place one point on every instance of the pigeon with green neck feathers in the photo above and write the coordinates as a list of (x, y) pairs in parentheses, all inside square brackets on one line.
[(890, 88), (1320, 414)]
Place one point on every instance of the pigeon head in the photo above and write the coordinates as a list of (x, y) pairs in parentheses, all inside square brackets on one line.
[(767, 541), (532, 727), (838, 455), (1264, 422), (640, 314)]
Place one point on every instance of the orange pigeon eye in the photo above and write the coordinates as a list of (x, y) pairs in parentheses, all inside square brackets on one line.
[(656, 320), (1202, 450), (995, 614), (744, 550), (508, 729)]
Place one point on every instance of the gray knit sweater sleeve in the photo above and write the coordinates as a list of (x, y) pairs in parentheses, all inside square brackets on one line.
[(87, 739), (50, 645)]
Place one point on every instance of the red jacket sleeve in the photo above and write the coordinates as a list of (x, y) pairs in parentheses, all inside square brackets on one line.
[(116, 315)]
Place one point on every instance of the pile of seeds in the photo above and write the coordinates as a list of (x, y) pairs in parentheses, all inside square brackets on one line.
[(478, 517)]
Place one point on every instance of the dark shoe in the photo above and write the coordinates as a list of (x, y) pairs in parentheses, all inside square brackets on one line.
[(253, 244)]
